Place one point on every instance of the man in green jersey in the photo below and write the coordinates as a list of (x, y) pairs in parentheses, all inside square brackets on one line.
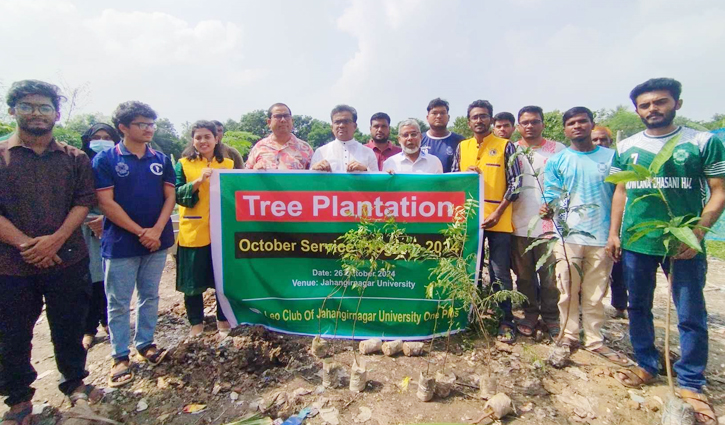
[(698, 162)]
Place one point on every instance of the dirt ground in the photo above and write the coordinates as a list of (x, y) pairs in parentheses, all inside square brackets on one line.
[(256, 370)]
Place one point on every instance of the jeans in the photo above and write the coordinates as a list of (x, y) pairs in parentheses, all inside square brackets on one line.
[(687, 293), (98, 309), (195, 309), (499, 267), (619, 289), (66, 292), (122, 276), (539, 287)]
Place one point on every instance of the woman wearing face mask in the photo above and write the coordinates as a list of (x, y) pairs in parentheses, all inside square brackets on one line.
[(96, 139), (194, 273)]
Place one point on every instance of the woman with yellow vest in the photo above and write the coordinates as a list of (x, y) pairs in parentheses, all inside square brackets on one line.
[(490, 156), (194, 272)]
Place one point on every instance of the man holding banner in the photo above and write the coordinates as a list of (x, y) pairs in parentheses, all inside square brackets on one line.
[(412, 159), (282, 150), (344, 154)]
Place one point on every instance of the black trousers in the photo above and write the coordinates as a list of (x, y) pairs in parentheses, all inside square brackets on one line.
[(66, 293), (98, 309), (195, 309)]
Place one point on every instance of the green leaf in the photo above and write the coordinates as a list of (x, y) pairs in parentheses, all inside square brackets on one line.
[(535, 244), (581, 233), (686, 236), (547, 254), (532, 224), (637, 236), (664, 154), (641, 171), (623, 177), (578, 270), (639, 198), (655, 224)]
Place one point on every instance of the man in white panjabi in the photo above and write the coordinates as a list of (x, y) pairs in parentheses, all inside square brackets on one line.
[(344, 154)]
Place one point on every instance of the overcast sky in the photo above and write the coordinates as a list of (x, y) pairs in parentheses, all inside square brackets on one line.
[(197, 59)]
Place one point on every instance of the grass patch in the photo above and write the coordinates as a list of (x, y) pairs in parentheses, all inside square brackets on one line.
[(716, 249)]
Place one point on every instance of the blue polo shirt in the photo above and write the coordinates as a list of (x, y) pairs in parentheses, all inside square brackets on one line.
[(138, 187), (444, 148)]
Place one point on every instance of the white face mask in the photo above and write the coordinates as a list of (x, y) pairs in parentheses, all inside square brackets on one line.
[(98, 146)]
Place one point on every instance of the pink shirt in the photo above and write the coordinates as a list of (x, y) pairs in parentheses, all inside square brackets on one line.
[(384, 154), (293, 155)]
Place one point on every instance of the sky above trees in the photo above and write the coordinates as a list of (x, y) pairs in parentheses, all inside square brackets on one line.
[(221, 59)]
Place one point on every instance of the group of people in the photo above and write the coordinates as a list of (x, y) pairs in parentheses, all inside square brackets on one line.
[(81, 229)]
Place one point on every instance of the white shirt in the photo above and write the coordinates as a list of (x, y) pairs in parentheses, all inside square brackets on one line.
[(339, 154), (529, 201), (425, 164)]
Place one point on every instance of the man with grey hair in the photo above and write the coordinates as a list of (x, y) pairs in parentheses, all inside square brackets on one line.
[(412, 160), (344, 154)]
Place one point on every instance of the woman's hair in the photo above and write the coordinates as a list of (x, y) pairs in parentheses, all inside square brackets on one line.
[(191, 153)]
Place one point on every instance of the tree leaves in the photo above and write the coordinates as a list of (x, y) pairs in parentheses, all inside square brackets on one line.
[(664, 154)]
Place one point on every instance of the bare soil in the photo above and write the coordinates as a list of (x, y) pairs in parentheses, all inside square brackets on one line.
[(257, 370)]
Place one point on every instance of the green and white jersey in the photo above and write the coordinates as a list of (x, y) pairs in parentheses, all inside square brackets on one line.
[(697, 156)]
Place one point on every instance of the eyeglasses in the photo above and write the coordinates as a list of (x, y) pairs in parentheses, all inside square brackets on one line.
[(145, 125), (28, 108), (528, 123), (282, 116), (346, 121)]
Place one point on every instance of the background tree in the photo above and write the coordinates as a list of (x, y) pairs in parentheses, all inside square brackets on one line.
[(66, 135), (460, 126), (620, 119), (320, 133), (254, 122), (554, 127), (76, 98), (231, 125), (240, 140), (166, 139)]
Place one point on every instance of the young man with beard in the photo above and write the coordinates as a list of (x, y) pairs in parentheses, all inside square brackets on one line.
[(541, 293), (438, 140), (412, 160), (379, 135), (281, 150), (504, 125), (135, 188), (490, 156), (574, 178), (47, 190), (697, 164), (344, 154)]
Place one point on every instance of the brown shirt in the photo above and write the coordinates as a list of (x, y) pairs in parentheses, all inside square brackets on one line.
[(36, 194), (233, 154)]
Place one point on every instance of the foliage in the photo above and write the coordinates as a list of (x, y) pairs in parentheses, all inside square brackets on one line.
[(82, 122), (620, 119), (65, 135), (554, 127), (254, 122), (320, 133), (240, 140), (460, 126), (166, 139), (6, 128), (716, 249)]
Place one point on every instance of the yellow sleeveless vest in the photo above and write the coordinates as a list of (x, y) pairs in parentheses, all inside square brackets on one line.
[(194, 231), (490, 159)]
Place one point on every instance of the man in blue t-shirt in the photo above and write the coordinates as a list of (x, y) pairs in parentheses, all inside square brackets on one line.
[(438, 140), (135, 187), (574, 180)]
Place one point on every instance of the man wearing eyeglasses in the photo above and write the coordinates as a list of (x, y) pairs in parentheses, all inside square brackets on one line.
[(490, 156), (281, 150), (344, 154), (539, 286), (46, 190), (135, 187)]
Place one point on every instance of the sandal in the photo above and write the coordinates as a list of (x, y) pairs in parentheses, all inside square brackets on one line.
[(611, 355), (155, 358), (85, 395), (506, 333), (527, 325), (122, 377), (703, 407), (553, 329), (634, 377), (20, 416)]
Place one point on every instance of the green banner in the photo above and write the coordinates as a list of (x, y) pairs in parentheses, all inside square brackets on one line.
[(270, 231)]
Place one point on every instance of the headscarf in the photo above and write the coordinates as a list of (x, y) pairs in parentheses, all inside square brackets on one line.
[(95, 128)]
